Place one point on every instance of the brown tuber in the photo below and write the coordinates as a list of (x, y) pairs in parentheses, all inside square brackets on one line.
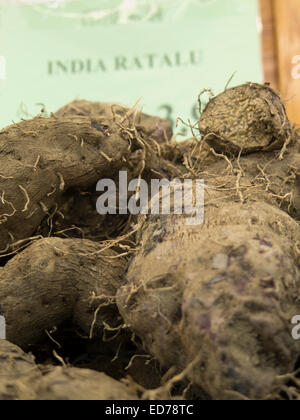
[(56, 280), (219, 295), (247, 118), (22, 379), (211, 304), (147, 125)]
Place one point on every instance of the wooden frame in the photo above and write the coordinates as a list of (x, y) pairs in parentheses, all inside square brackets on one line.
[(269, 48), (281, 50), (287, 19)]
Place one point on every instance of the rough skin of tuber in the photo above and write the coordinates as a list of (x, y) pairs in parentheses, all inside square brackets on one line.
[(246, 118), (42, 158), (22, 379), (221, 295), (56, 280)]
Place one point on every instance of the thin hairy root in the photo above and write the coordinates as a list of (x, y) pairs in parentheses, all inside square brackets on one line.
[(164, 392), (26, 197)]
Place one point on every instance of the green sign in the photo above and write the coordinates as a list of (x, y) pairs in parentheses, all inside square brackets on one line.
[(162, 52)]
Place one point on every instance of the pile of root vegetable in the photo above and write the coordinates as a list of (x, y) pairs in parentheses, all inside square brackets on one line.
[(148, 307)]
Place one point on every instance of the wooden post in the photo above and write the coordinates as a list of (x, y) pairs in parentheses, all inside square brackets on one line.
[(269, 47), (287, 19)]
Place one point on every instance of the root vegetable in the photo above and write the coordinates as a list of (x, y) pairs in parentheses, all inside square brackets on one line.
[(44, 158), (56, 280), (220, 296), (147, 125), (14, 362), (71, 384), (41, 159), (256, 177), (21, 379), (259, 177), (246, 118), (18, 372), (214, 300)]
